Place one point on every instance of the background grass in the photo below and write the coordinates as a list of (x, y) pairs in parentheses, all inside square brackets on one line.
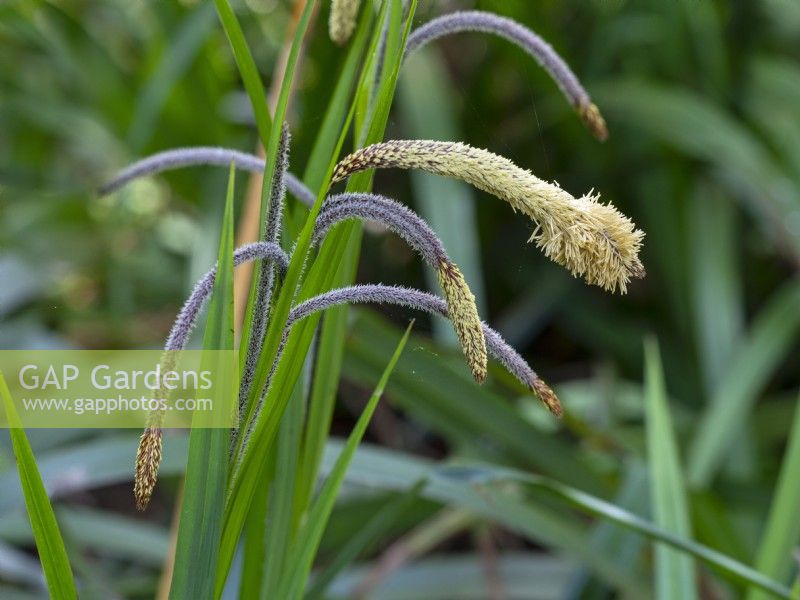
[(701, 101)]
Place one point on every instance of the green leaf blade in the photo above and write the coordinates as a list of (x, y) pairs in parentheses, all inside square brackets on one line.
[(782, 530), (302, 555), (49, 543), (247, 68), (200, 524), (675, 576)]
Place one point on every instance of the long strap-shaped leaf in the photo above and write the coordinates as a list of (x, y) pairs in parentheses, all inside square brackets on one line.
[(207, 469), (782, 531), (49, 543), (302, 554), (675, 576), (476, 486)]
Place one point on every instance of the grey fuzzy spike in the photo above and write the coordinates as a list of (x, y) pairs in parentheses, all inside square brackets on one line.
[(514, 32), (397, 217), (418, 300), (187, 317), (272, 229), (201, 155)]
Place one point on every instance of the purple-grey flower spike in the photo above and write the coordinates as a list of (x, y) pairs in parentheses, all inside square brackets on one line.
[(530, 42), (418, 300), (148, 455), (395, 216), (187, 317), (400, 219), (384, 294), (272, 230), (201, 155)]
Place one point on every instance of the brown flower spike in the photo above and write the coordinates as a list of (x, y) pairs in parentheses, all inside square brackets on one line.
[(593, 120), (464, 315), (148, 458), (590, 239)]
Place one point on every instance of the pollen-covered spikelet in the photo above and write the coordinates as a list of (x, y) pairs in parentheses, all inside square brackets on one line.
[(148, 458), (590, 239), (593, 120), (547, 396), (464, 315), (342, 21)]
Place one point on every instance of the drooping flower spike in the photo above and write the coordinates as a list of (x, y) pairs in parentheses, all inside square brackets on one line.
[(342, 20), (187, 317), (148, 455), (201, 155), (588, 238), (530, 42), (406, 223), (418, 300)]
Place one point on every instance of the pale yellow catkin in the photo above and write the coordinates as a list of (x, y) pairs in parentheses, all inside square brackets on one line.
[(464, 315), (342, 20), (148, 459), (590, 239)]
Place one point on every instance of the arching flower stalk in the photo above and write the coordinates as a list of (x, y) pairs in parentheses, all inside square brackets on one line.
[(418, 300), (272, 229), (148, 455), (342, 20), (588, 238), (527, 40), (406, 223), (201, 155), (187, 317)]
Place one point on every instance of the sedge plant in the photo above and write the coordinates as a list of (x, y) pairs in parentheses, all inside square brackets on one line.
[(305, 266)]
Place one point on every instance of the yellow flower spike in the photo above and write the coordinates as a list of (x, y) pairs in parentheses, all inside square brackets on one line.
[(464, 315), (148, 458), (342, 20), (588, 238)]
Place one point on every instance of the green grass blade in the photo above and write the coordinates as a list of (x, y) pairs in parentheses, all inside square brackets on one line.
[(772, 334), (478, 487), (335, 321), (622, 545), (49, 543), (334, 326), (390, 470), (200, 524), (188, 40), (335, 115), (247, 68), (330, 130), (271, 152), (367, 534), (253, 548), (327, 372), (269, 171), (782, 531), (675, 576), (302, 554), (280, 522), (321, 277), (717, 289)]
